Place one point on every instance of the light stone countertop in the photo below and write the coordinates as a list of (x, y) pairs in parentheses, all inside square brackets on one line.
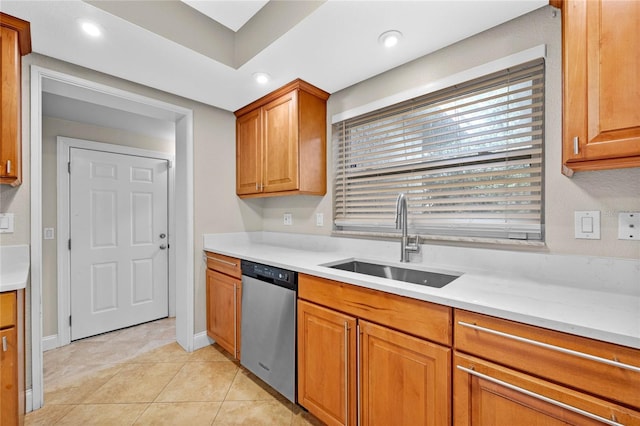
[(14, 267), (591, 297)]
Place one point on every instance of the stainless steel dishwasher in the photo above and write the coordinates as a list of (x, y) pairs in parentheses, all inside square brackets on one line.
[(269, 325)]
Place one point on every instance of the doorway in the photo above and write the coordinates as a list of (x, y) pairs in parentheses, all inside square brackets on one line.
[(182, 272), (114, 233)]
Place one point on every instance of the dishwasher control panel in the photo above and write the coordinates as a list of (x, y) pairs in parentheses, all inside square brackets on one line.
[(275, 275)]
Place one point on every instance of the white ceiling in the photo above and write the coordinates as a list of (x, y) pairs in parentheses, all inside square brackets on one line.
[(231, 14), (332, 44)]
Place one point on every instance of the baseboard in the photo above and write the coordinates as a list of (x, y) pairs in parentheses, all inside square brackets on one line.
[(50, 342), (201, 340)]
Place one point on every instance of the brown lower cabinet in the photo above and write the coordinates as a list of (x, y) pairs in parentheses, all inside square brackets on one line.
[(403, 380), (327, 363), (490, 394), (367, 357), (224, 301), (352, 370), (371, 358), (508, 373), (12, 358)]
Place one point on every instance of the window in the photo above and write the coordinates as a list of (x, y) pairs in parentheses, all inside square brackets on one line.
[(469, 158)]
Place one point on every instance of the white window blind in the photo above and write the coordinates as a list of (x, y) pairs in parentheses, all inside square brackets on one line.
[(469, 158)]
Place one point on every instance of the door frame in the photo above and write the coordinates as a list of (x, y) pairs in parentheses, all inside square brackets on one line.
[(64, 144), (183, 204)]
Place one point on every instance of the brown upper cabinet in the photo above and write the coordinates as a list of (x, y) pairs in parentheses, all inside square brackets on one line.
[(601, 78), (281, 143), (15, 37)]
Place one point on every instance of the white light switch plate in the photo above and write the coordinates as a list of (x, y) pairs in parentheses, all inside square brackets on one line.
[(319, 219), (629, 226), (287, 219), (6, 223), (587, 225), (49, 234)]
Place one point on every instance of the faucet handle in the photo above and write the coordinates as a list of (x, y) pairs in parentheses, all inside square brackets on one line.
[(415, 245)]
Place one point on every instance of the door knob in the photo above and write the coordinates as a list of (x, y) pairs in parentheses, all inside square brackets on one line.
[(163, 246)]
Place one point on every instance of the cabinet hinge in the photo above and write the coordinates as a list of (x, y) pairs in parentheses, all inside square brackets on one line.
[(69, 243), (69, 167), (69, 320)]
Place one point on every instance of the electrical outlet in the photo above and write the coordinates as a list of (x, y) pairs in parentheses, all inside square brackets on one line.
[(287, 219), (629, 226), (319, 219)]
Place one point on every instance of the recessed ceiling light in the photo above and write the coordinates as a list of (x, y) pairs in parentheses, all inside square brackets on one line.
[(390, 38), (90, 28), (261, 77)]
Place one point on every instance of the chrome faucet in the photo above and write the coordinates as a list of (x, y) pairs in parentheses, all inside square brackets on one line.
[(401, 223)]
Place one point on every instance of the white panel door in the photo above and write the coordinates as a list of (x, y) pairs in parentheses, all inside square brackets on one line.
[(119, 257)]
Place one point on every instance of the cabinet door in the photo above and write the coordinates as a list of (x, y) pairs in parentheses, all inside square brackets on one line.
[(489, 394), (9, 376), (280, 144), (249, 153), (327, 364), (601, 87), (223, 315), (10, 150), (404, 380)]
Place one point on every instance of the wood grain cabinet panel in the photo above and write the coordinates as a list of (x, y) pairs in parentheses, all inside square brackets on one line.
[(487, 394), (327, 364), (224, 264), (589, 365), (249, 153), (9, 376), (353, 370), (404, 380), (601, 69), (422, 319), (281, 143), (15, 41), (12, 396), (224, 302)]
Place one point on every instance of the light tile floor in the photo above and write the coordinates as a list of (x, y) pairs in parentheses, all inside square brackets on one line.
[(140, 376)]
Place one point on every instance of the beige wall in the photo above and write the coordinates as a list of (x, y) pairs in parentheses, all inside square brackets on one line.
[(607, 191), (51, 129)]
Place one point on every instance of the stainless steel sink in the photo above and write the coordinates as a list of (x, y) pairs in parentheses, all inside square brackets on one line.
[(415, 276)]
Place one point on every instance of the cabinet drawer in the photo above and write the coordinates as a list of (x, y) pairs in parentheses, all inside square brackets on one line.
[(423, 319), (7, 309), (224, 264), (603, 369), (490, 394)]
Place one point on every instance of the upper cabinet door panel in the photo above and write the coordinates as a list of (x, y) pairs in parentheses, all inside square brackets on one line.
[(601, 84), (617, 69), (248, 153), (281, 144), (10, 147), (15, 39)]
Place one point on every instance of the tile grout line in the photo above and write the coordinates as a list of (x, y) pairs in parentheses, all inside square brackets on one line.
[(226, 394), (160, 392)]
